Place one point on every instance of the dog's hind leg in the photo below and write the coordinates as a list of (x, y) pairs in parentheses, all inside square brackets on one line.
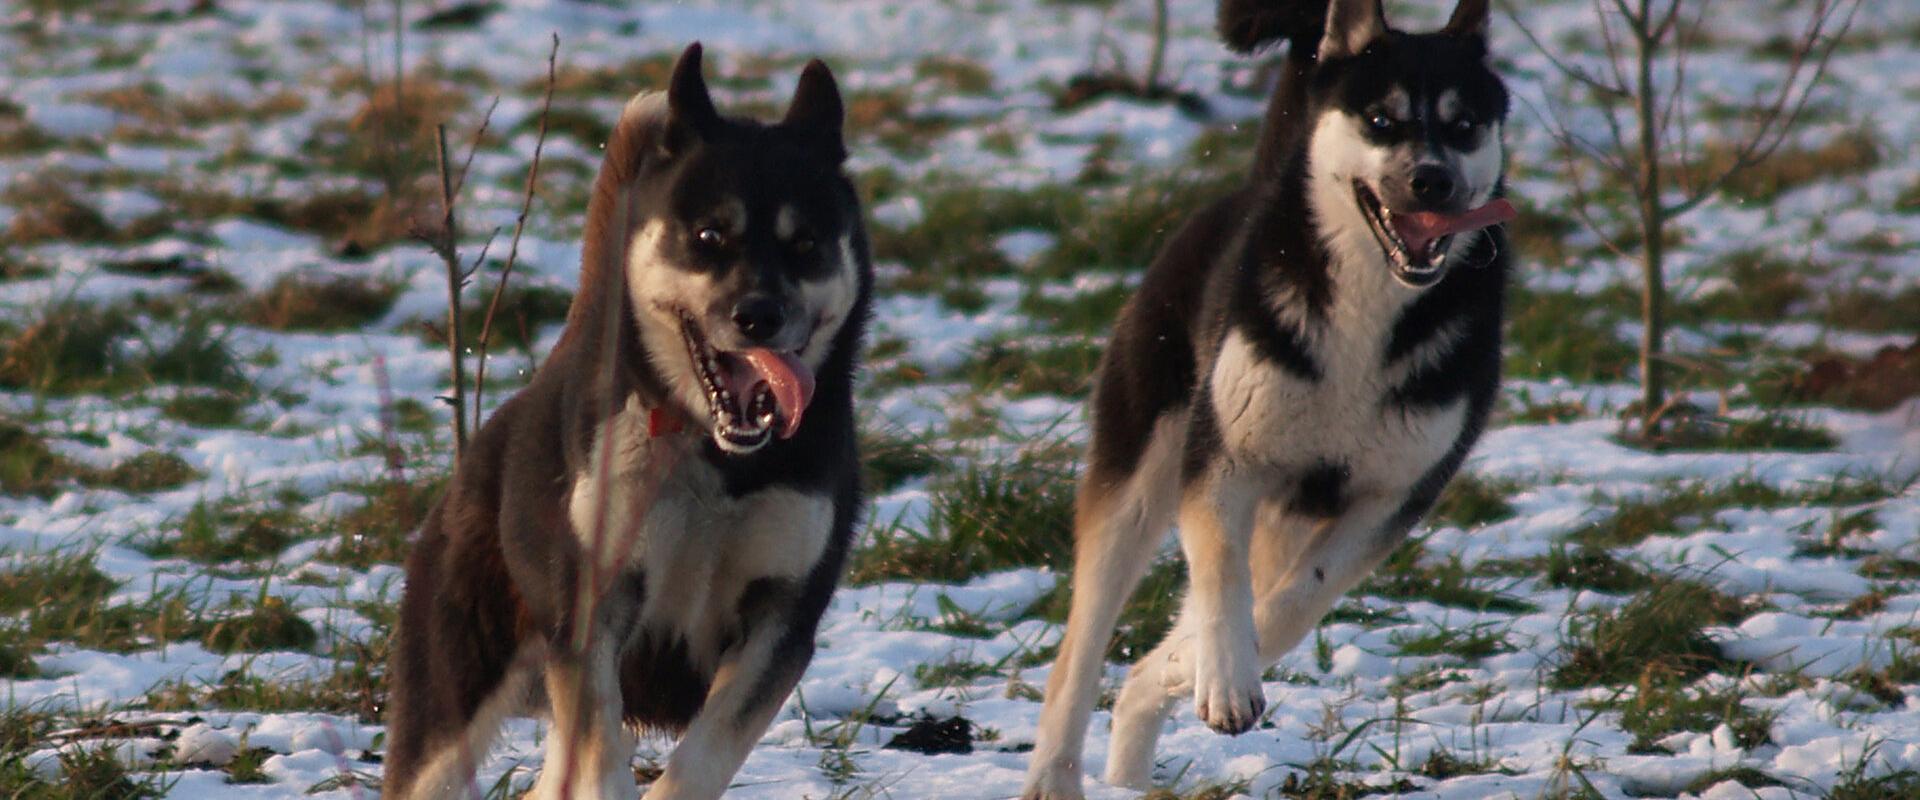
[(445, 767), (1116, 530), (589, 748)]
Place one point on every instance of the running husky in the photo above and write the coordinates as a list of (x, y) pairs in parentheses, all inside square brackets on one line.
[(591, 560), (1304, 367)]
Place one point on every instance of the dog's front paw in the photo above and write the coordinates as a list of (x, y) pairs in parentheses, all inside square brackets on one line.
[(1052, 782), (1226, 686)]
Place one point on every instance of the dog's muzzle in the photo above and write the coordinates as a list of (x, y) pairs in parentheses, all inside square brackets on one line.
[(752, 394)]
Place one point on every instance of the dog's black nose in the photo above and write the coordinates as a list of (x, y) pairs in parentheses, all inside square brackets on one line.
[(759, 317), (1432, 185)]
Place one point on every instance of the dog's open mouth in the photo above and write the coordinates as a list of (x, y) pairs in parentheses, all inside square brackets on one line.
[(752, 393), (1416, 242)]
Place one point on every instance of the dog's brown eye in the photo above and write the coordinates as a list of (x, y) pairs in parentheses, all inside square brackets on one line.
[(1463, 126), (711, 237), (802, 244)]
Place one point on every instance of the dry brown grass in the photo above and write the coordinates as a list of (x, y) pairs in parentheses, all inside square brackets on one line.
[(1850, 153), (297, 303)]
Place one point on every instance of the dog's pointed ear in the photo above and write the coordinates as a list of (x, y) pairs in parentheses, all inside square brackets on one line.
[(816, 112), (1469, 19), (691, 115), (1351, 26)]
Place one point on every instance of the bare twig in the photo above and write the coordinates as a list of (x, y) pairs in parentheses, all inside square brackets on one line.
[(1648, 58), (513, 250), (448, 237)]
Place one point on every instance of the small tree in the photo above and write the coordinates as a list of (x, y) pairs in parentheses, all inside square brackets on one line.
[(1639, 136)]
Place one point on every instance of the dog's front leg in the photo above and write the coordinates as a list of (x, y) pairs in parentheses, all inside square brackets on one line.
[(747, 690), (589, 749), (1216, 522)]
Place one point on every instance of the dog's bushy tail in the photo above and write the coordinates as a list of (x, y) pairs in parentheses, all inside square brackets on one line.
[(1249, 25)]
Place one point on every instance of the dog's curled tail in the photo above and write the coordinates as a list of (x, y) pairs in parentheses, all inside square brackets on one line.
[(1249, 25)]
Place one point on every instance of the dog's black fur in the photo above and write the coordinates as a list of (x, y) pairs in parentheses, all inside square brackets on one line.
[(494, 581), (1358, 374)]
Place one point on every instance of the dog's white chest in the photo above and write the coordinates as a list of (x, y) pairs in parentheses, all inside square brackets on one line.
[(1270, 415), (653, 505)]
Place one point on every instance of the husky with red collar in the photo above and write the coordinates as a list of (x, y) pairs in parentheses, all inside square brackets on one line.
[(593, 559), (1303, 368)]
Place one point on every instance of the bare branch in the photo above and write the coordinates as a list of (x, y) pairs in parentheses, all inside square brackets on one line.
[(449, 235), (460, 181), (1778, 120), (519, 227), (1571, 71)]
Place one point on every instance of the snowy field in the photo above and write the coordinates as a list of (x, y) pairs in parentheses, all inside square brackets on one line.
[(220, 352)]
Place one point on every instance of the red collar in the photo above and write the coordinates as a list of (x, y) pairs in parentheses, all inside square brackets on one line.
[(663, 421)]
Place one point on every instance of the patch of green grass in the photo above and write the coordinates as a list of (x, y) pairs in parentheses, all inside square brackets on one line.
[(308, 303), (72, 349), (888, 116), (21, 726), (951, 239), (197, 355), (1540, 235), (51, 580), (16, 659), (151, 471), (1748, 777), (952, 672), (988, 517), (28, 466), (246, 766), (1850, 153), (1900, 785), (586, 126), (228, 530), (1211, 790), (1449, 583), (1682, 508), (1660, 708), (1877, 311), (1442, 764), (1762, 287), (1658, 635), (123, 627), (1563, 334), (47, 211), (1470, 501), (1908, 202), (90, 773), (1144, 620), (377, 531), (69, 349), (268, 623), (1593, 569), (1329, 779), (890, 457), (1062, 368), (524, 311), (1087, 313), (954, 74), (1123, 230), (208, 409), (1771, 429), (1472, 644)]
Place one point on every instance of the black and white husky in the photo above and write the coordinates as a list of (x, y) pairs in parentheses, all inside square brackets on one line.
[(1303, 368), (591, 560)]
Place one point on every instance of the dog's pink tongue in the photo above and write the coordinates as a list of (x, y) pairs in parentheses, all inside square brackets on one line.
[(783, 373), (1419, 228)]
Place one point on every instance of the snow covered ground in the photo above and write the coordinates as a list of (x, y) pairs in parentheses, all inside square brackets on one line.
[(198, 563)]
